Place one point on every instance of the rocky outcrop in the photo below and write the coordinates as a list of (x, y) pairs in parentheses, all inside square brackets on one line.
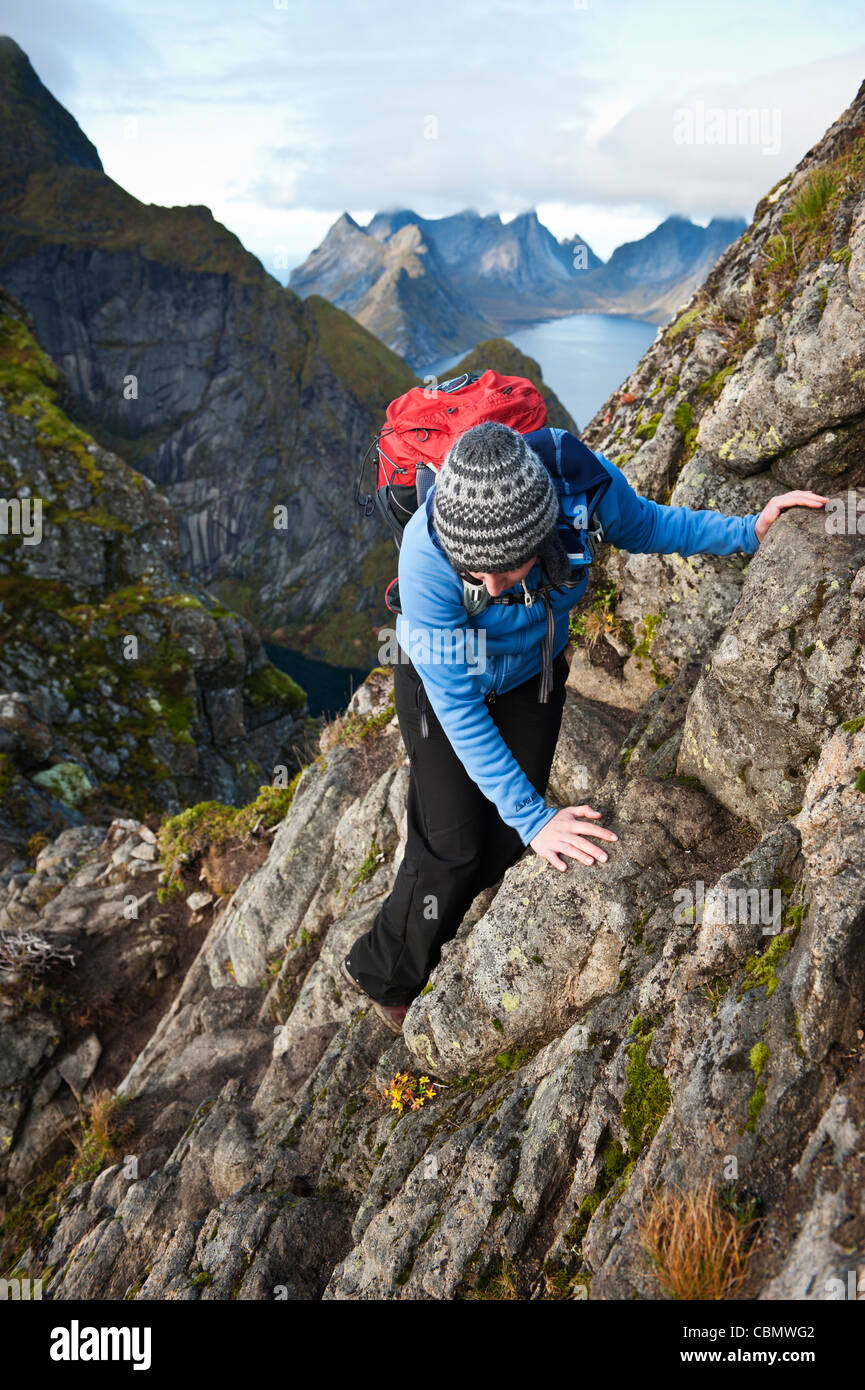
[(592, 1037), (122, 684), (91, 907), (754, 389), (788, 670)]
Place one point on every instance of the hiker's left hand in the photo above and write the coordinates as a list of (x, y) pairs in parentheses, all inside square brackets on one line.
[(777, 505)]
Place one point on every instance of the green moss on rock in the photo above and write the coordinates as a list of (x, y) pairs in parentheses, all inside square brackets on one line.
[(649, 429), (268, 685), (647, 1094), (761, 970), (183, 837)]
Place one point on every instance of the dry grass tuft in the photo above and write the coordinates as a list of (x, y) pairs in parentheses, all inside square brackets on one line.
[(698, 1244), (99, 1138)]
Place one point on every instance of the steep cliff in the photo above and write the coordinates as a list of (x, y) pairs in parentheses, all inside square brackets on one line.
[(600, 1052), (186, 358), (233, 395), (123, 686)]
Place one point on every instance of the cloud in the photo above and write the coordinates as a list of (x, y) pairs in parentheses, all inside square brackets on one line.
[(440, 155), (773, 121), (278, 116), (67, 42)]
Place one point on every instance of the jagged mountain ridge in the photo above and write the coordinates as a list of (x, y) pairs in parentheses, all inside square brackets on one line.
[(492, 249), (398, 289), (674, 249), (506, 274)]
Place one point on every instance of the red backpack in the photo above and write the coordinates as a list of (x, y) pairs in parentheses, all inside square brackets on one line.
[(422, 425)]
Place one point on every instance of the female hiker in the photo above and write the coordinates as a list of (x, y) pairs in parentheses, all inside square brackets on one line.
[(482, 573)]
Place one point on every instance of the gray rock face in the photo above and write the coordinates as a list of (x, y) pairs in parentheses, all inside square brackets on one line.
[(91, 905), (787, 671), (590, 736), (829, 824), (523, 974), (688, 1013), (191, 341), (77, 1066), (804, 377), (117, 676)]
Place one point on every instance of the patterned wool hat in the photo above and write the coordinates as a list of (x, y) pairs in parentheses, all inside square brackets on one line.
[(494, 506)]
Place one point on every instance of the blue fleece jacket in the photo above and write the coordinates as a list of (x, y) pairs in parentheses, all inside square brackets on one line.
[(462, 658)]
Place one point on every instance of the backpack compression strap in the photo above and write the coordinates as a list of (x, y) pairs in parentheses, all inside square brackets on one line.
[(540, 595)]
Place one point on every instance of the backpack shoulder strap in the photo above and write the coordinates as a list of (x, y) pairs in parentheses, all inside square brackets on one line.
[(570, 463), (578, 475)]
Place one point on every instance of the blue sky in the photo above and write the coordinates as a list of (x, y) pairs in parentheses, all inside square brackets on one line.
[(605, 115)]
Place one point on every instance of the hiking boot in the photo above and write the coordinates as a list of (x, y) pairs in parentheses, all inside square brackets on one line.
[(348, 977), (392, 1015)]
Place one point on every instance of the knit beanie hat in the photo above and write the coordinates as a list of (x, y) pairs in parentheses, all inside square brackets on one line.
[(494, 505)]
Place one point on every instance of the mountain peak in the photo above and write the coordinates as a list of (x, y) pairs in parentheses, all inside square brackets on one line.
[(406, 214), (527, 217), (386, 222), (36, 132)]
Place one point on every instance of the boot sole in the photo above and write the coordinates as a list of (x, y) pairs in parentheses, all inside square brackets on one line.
[(391, 1023), (386, 1019)]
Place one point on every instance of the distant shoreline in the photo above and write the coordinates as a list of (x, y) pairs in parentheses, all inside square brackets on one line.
[(581, 367)]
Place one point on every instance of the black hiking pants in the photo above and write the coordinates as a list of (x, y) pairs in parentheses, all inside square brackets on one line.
[(457, 843)]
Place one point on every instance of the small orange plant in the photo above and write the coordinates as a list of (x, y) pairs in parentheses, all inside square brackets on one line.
[(697, 1244), (407, 1090)]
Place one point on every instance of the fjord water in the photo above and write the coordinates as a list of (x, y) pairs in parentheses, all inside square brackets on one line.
[(329, 688), (583, 357)]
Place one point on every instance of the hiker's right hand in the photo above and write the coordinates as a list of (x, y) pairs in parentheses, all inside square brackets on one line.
[(564, 833)]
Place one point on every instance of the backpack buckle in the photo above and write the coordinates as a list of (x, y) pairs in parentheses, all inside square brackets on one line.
[(594, 537), (475, 597)]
